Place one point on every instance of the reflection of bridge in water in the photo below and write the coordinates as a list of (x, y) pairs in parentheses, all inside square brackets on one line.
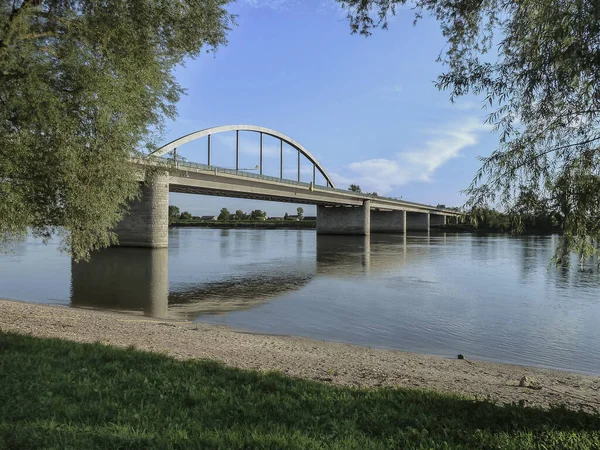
[(136, 279)]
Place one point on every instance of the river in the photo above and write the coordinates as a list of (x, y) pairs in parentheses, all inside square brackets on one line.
[(494, 298)]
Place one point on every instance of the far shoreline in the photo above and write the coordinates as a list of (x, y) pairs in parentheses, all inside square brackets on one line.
[(255, 224)]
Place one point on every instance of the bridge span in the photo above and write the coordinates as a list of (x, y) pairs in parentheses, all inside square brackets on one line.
[(338, 211)]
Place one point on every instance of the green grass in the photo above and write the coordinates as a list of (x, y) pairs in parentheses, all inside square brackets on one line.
[(61, 395)]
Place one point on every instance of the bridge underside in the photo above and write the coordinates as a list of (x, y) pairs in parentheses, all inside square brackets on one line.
[(338, 212), (242, 195)]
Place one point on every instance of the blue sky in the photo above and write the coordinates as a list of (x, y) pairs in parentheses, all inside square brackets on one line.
[(367, 108)]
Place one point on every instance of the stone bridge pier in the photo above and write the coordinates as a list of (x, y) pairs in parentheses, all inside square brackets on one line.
[(354, 220), (416, 221), (437, 220), (147, 222), (388, 221)]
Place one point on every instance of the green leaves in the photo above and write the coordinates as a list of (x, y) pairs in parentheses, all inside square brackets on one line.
[(536, 65), (85, 86)]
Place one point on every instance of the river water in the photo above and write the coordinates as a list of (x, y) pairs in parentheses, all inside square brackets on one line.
[(492, 298)]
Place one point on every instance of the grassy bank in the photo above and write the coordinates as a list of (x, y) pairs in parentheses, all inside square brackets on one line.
[(58, 394), (266, 224)]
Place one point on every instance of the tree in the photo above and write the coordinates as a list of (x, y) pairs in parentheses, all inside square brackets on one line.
[(224, 215), (84, 86), (300, 212), (535, 63), (173, 213), (257, 214), (239, 214), (285, 216), (354, 188), (185, 216)]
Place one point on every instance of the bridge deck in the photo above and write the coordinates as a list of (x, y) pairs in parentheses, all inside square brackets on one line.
[(194, 178)]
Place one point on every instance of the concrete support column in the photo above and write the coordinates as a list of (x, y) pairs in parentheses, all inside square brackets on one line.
[(416, 221), (436, 220), (344, 220), (388, 221), (147, 222)]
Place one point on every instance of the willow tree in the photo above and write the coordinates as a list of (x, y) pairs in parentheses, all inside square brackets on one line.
[(536, 64), (84, 86)]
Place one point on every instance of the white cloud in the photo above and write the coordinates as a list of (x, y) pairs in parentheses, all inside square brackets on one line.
[(270, 4), (413, 165), (328, 6), (465, 105)]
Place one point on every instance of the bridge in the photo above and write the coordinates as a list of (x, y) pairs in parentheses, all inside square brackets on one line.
[(339, 211)]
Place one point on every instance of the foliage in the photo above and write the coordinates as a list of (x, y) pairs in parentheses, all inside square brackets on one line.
[(84, 86), (488, 219), (300, 212), (185, 216), (239, 214), (286, 216), (536, 64), (354, 188), (58, 394), (174, 213), (224, 215), (257, 214), (530, 213), (262, 224)]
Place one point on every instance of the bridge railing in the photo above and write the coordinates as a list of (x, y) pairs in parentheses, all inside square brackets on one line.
[(241, 173), (216, 169)]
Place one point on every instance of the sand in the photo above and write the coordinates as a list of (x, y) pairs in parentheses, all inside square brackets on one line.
[(326, 362)]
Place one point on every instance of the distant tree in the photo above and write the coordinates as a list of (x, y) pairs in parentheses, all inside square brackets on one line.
[(285, 216), (224, 215), (489, 219), (374, 194), (300, 212), (185, 216), (257, 214), (355, 188), (174, 213), (531, 211), (239, 214)]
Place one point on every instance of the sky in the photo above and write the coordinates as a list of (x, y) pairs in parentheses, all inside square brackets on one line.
[(366, 108)]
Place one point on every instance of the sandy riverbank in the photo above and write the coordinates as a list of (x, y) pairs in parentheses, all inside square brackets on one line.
[(307, 358)]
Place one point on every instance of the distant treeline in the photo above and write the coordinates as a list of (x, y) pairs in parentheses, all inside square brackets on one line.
[(239, 219), (266, 224), (530, 213)]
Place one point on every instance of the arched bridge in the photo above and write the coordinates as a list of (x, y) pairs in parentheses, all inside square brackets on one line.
[(283, 139), (338, 211)]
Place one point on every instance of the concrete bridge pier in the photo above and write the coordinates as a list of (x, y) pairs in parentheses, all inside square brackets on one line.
[(388, 221), (437, 220), (344, 220), (416, 221), (147, 222)]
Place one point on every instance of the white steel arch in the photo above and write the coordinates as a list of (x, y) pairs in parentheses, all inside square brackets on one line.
[(262, 130)]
